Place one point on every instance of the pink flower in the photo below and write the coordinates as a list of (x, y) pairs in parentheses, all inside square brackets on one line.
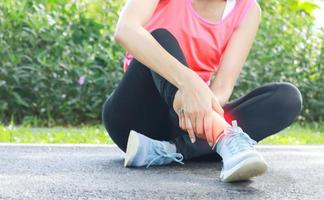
[(81, 80)]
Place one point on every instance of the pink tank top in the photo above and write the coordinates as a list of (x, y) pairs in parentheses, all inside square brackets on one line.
[(203, 42)]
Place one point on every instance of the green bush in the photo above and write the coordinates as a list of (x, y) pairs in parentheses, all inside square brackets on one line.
[(58, 62), (288, 48)]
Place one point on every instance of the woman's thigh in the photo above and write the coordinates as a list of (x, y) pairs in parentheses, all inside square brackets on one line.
[(265, 110), (135, 104), (143, 99)]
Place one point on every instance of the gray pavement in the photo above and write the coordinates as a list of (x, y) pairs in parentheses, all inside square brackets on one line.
[(97, 172)]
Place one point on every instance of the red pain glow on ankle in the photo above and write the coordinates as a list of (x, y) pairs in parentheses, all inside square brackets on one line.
[(228, 117)]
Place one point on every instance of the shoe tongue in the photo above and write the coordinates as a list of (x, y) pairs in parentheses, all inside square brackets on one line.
[(234, 123), (230, 131)]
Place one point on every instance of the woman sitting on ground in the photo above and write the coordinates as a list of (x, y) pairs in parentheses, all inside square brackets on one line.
[(170, 107)]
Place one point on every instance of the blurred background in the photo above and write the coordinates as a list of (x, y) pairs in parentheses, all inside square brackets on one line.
[(59, 63)]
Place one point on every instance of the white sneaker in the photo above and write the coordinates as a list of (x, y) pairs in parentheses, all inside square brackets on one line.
[(144, 151), (240, 159)]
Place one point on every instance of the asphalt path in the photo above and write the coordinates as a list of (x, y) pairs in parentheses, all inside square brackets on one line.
[(39, 172)]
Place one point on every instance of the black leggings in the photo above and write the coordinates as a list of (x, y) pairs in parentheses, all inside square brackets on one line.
[(143, 102)]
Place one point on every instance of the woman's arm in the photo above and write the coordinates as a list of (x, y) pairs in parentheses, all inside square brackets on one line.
[(132, 36), (194, 96), (235, 55)]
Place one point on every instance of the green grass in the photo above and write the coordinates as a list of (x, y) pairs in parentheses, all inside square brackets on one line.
[(312, 133), (295, 134), (56, 135)]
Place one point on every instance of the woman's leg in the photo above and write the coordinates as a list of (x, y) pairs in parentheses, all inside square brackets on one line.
[(266, 110), (143, 100), (262, 112)]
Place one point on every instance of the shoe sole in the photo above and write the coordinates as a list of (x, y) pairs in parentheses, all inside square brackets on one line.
[(132, 147), (245, 170)]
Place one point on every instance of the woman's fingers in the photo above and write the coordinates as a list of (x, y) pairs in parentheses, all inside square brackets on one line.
[(208, 128), (192, 119), (189, 128), (199, 124), (183, 123), (180, 119)]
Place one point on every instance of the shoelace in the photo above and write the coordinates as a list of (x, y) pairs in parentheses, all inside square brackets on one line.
[(163, 154), (233, 140)]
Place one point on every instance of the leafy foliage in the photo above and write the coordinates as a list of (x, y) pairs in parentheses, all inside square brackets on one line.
[(58, 61), (288, 48), (47, 48)]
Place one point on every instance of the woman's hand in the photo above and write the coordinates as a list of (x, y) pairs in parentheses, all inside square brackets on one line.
[(194, 103)]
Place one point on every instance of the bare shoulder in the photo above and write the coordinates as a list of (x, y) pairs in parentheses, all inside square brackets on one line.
[(253, 16), (254, 12)]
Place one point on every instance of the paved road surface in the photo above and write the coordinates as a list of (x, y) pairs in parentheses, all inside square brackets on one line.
[(96, 172)]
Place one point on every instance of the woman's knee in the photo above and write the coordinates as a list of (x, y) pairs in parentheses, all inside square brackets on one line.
[(110, 116), (170, 43), (114, 126), (161, 34), (106, 114), (289, 97)]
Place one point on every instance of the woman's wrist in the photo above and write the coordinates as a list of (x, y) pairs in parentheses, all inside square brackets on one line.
[(185, 77), (222, 99)]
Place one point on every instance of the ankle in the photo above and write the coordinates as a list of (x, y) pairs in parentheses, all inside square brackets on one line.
[(221, 120), (219, 125)]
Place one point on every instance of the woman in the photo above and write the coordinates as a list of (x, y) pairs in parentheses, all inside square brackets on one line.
[(168, 106)]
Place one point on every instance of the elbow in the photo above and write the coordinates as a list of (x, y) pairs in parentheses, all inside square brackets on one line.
[(119, 35), (122, 33), (125, 31)]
